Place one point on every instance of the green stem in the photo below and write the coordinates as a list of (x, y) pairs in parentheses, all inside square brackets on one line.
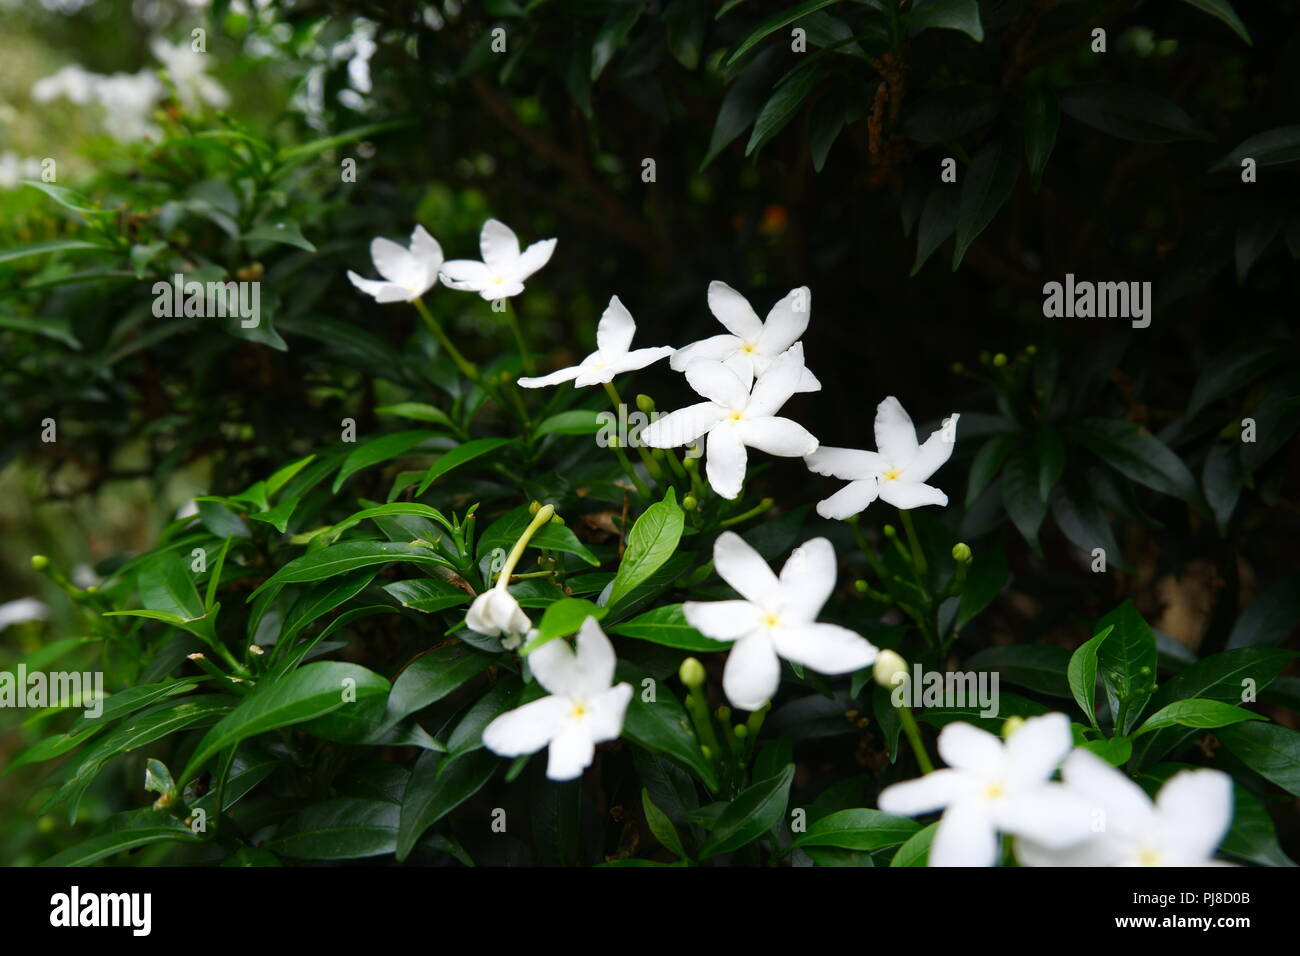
[(524, 354), (650, 464), (543, 515), (466, 367), (918, 556), (913, 733), (754, 512), (642, 488)]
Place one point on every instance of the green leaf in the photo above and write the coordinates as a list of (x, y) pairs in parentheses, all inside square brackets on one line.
[(431, 677), (1129, 112), (857, 830), (57, 329), (1083, 523), (69, 198), (348, 556), (321, 599), (988, 184), (916, 851), (1139, 456), (1042, 120), (755, 810), (612, 34), (1051, 459), (1222, 10), (427, 594), (783, 105), (1038, 667), (960, 15), (667, 625), (562, 618), (459, 456), (166, 585), (505, 531), (650, 543), (1196, 712), (1232, 371), (379, 450), (776, 22), (1114, 750), (741, 104), (662, 827), (1275, 147), (1081, 673), (661, 726), (938, 220), (345, 828), (284, 231), (1127, 661), (294, 155), (51, 245), (985, 579), (132, 829), (577, 421), (439, 785), (417, 411), (1020, 496), (1253, 837), (400, 508), (293, 698), (988, 462), (1271, 617), (1271, 751)]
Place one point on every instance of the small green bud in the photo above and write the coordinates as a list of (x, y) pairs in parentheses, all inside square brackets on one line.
[(724, 714), (556, 519), (887, 668), (766, 503), (534, 507), (1031, 350), (646, 404), (860, 586), (692, 673), (890, 531), (40, 562), (92, 590), (691, 464), (999, 360), (690, 503), (741, 731), (1011, 726), (961, 552)]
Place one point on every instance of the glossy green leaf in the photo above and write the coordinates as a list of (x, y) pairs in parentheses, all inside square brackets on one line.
[(753, 812)]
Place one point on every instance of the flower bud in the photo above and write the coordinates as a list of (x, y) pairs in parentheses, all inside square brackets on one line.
[(40, 562), (534, 507), (1011, 726), (890, 531), (999, 360), (691, 464), (255, 650), (961, 552), (889, 665), (556, 519), (690, 503), (691, 673), (1031, 350), (646, 404), (860, 586), (740, 730)]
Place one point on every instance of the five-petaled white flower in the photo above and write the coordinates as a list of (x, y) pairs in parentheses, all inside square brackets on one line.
[(496, 613), (504, 268), (775, 617), (735, 416), (896, 473), (752, 344), (1183, 827), (991, 787), (582, 711), (408, 273), (612, 355)]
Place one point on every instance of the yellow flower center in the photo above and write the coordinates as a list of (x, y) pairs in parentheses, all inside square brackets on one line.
[(771, 620), (1148, 857), (891, 475), (748, 349), (736, 416), (579, 711), (994, 790), (498, 280)]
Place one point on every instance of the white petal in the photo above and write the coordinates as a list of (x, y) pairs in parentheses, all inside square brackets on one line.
[(826, 648), (1097, 850), (808, 382), (715, 349), (777, 436), (808, 578), (906, 494), (934, 791), (428, 252), (466, 275), (847, 463), (606, 712), (849, 500), (784, 324), (895, 433), (965, 837), (1195, 810), (571, 752), (968, 748), (932, 455), (718, 384), (744, 365), (496, 611), (527, 729), (682, 426), (1051, 816), (1036, 749), (555, 667), (595, 659), (725, 465), (555, 378), (502, 289), (752, 673), (734, 311), (499, 245), (380, 290), (1116, 803), (640, 358), (744, 569), (533, 258), (722, 620), (775, 386), (615, 330), (395, 263)]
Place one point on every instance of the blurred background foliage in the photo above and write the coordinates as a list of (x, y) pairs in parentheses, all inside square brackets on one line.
[(761, 142)]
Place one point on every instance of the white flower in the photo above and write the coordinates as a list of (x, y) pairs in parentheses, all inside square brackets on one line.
[(991, 787), (775, 618), (896, 474), (504, 268), (753, 345), (613, 339), (408, 274), (496, 613), (72, 81), (1183, 827), (21, 611), (582, 711), (735, 416), (188, 70)]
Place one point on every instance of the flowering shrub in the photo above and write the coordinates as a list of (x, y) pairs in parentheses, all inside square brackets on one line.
[(443, 602)]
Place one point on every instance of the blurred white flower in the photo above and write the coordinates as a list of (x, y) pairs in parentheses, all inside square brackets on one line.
[(504, 268), (496, 613), (775, 618), (581, 711), (408, 273), (188, 70), (14, 169), (896, 474), (752, 344), (736, 416), (127, 100), (612, 356), (22, 610), (1182, 827), (991, 787), (72, 82)]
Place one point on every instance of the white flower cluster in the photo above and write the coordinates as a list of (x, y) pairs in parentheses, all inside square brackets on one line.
[(14, 169), (1094, 816), (128, 100)]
